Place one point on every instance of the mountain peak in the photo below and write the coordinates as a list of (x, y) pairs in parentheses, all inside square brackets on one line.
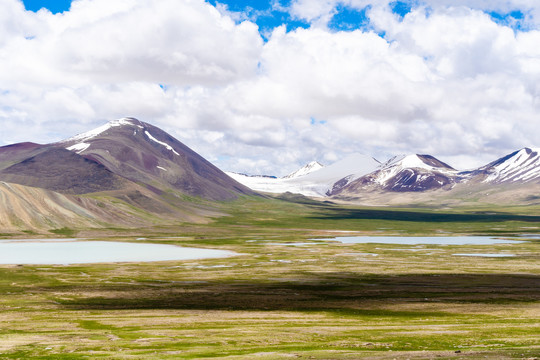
[(306, 169), (403, 173), (129, 121), (427, 162), (522, 166), (145, 154), (126, 121)]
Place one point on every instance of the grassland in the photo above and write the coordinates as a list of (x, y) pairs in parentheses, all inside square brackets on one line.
[(274, 300)]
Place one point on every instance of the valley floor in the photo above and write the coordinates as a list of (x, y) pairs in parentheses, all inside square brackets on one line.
[(321, 300)]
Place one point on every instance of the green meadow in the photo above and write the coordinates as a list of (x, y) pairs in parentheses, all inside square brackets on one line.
[(277, 300)]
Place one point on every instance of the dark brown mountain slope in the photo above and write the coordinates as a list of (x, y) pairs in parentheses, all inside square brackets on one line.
[(147, 155), (14, 153), (63, 171)]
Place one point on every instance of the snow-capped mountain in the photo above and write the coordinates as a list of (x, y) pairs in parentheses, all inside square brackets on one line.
[(137, 174), (304, 170), (405, 173), (359, 174), (518, 167), (128, 154), (415, 173), (147, 155), (121, 154), (315, 183)]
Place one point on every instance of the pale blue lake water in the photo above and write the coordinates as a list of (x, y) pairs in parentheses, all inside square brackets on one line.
[(67, 251), (486, 255), (421, 240)]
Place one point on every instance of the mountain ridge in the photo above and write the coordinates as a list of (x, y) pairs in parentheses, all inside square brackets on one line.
[(522, 165), (131, 173), (422, 172), (123, 173), (404, 173), (146, 154)]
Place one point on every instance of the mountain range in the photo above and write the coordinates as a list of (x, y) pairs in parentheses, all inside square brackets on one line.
[(402, 174), (419, 173), (130, 173)]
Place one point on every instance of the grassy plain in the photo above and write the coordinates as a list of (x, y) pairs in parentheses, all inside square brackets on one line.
[(274, 300)]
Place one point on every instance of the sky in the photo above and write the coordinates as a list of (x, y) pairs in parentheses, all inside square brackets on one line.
[(264, 87)]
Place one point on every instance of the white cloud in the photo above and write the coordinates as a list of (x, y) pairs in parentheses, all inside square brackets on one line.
[(448, 82), (162, 41), (101, 59)]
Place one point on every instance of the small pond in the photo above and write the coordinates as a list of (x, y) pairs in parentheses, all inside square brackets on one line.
[(422, 240), (295, 244), (67, 251), (531, 236), (486, 255)]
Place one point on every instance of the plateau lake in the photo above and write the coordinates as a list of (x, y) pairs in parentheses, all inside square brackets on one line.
[(68, 251), (421, 240)]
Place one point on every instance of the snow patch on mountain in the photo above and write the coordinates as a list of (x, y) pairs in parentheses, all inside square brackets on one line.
[(101, 129), (167, 146), (78, 148)]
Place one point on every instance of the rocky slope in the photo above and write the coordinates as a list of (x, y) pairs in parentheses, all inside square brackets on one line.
[(147, 155), (511, 179), (521, 166), (124, 173), (30, 208), (64, 171), (404, 173), (12, 154)]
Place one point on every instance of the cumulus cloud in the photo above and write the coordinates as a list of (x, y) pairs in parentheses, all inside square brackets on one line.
[(161, 41), (103, 59), (445, 79)]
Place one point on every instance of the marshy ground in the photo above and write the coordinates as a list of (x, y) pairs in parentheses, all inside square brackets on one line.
[(323, 300)]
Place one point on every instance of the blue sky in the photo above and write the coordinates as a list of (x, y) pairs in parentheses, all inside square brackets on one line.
[(268, 86), (54, 6), (271, 14)]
